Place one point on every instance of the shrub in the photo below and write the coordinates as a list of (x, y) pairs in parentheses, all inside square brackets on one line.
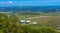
[(1, 31), (47, 30), (30, 29)]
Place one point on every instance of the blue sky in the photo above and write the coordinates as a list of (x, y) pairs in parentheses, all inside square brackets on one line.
[(29, 2)]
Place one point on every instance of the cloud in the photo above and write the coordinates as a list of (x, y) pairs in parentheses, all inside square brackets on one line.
[(10, 2), (5, 3)]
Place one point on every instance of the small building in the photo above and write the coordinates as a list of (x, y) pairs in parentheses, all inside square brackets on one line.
[(22, 22), (28, 22), (25, 22)]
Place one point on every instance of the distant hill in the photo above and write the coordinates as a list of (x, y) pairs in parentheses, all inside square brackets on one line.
[(30, 8)]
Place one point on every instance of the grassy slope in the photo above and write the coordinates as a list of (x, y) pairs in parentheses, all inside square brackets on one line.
[(42, 18)]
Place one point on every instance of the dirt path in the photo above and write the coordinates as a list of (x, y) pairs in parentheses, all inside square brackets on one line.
[(41, 17)]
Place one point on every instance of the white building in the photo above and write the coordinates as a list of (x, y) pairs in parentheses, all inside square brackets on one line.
[(25, 22), (22, 22)]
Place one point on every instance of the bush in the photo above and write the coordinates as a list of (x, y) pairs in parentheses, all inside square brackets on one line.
[(29, 29), (1, 31), (47, 30)]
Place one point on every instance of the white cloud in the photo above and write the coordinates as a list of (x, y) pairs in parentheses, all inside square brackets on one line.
[(6, 2), (10, 2)]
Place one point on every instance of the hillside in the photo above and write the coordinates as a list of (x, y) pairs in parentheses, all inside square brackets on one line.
[(43, 19)]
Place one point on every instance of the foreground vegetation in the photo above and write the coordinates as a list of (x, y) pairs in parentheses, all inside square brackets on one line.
[(12, 24)]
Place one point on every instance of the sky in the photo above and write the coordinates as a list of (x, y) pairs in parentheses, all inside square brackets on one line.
[(29, 2)]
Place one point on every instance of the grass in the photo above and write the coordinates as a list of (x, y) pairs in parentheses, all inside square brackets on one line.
[(52, 19)]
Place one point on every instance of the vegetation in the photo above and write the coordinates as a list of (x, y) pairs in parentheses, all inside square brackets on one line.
[(12, 24)]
